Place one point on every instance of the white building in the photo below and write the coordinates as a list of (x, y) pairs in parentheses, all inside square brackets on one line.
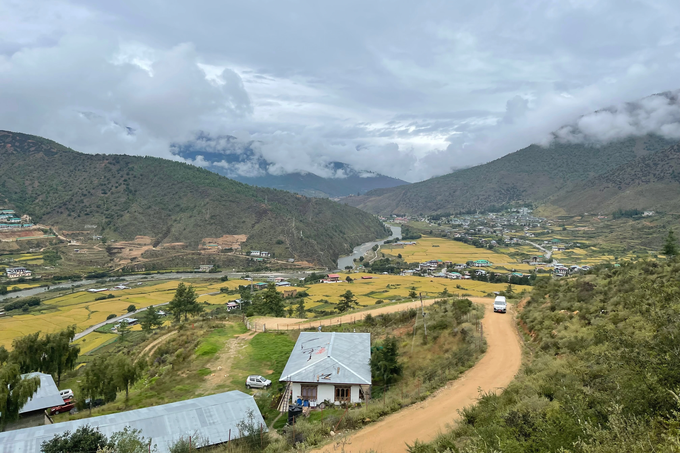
[(329, 366), (16, 272)]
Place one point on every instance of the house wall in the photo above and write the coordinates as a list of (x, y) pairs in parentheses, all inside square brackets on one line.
[(326, 392)]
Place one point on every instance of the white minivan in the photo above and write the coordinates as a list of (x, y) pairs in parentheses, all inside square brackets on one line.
[(66, 394), (500, 305)]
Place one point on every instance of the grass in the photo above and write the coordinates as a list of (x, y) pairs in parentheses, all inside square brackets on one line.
[(214, 341)]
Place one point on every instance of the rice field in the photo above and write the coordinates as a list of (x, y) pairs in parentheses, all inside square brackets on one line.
[(431, 248), (81, 309), (94, 340)]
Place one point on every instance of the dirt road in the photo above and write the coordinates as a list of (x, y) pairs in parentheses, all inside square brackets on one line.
[(423, 421), (296, 323)]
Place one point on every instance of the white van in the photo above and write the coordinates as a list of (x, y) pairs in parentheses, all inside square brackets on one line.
[(66, 394), (500, 305)]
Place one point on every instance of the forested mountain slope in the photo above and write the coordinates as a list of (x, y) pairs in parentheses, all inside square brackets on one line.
[(127, 196), (530, 175), (603, 372), (649, 183)]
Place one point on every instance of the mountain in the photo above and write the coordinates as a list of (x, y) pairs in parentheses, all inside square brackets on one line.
[(228, 157), (126, 196), (650, 182), (529, 175)]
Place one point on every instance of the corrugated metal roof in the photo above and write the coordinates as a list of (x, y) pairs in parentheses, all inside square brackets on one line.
[(330, 357), (46, 396), (210, 417)]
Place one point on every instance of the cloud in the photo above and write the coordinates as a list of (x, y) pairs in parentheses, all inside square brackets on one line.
[(412, 91)]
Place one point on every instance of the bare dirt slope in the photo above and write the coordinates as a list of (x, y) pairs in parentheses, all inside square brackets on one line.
[(423, 421)]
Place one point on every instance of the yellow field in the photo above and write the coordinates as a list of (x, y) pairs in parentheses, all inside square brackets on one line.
[(430, 248), (81, 309), (93, 341)]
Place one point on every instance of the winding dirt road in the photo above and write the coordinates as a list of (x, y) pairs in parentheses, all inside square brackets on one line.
[(424, 420)]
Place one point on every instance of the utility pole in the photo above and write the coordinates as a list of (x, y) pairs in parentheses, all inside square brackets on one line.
[(422, 308)]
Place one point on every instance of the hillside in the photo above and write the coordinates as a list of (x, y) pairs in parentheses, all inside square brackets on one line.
[(648, 183), (126, 196), (243, 164), (601, 375), (530, 175)]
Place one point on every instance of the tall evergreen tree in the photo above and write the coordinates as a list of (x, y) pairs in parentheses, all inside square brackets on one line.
[(149, 319), (184, 303), (385, 365), (347, 302), (670, 248)]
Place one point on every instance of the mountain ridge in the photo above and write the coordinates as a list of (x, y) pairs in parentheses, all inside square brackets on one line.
[(126, 196)]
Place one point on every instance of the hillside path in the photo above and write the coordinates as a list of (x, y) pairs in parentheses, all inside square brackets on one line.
[(297, 323), (424, 420)]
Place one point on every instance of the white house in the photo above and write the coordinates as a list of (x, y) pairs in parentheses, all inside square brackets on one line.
[(329, 366), (17, 272)]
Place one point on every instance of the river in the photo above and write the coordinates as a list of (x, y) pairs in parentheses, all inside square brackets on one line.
[(360, 250)]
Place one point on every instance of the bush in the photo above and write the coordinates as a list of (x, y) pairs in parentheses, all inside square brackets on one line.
[(83, 440), (21, 303), (131, 308), (111, 316)]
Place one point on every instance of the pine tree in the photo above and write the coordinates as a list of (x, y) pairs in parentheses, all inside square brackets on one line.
[(347, 302), (150, 319), (300, 311), (670, 248), (184, 303)]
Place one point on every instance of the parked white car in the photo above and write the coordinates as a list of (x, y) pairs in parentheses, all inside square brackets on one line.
[(257, 382), (66, 394), (500, 305)]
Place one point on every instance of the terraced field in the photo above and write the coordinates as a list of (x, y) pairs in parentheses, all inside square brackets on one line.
[(81, 309)]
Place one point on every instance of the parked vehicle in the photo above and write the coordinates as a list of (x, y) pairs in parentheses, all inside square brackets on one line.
[(66, 394), (96, 403), (500, 305), (66, 407), (257, 382)]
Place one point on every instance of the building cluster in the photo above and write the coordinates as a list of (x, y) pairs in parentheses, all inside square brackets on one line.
[(17, 272), (9, 220)]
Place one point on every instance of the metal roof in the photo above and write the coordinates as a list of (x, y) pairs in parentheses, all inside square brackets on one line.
[(330, 357), (211, 417), (46, 396)]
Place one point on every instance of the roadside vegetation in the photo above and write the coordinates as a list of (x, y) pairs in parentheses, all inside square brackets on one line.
[(603, 374)]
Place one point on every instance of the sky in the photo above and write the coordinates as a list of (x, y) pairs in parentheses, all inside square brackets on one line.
[(409, 89)]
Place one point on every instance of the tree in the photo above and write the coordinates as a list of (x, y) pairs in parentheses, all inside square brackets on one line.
[(509, 291), (131, 308), (83, 440), (399, 256), (445, 293), (670, 248), (300, 311), (349, 279), (27, 352), (14, 392), (347, 302), (385, 365), (130, 441), (413, 294), (98, 381), (150, 319), (123, 329), (126, 372), (184, 303), (291, 311), (270, 302), (60, 355), (4, 355)]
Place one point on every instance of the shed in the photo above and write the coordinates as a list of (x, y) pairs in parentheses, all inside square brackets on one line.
[(214, 417), (329, 366)]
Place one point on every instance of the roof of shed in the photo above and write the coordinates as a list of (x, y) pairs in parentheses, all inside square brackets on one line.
[(46, 396), (330, 357), (212, 417)]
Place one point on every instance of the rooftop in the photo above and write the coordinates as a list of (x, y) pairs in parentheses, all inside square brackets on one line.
[(212, 417), (46, 396), (330, 357)]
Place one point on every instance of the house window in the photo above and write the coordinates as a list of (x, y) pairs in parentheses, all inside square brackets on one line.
[(342, 394), (308, 392)]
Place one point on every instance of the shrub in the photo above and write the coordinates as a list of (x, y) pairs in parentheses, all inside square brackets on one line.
[(111, 316)]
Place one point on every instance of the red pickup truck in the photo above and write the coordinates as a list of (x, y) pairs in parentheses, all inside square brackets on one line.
[(67, 406)]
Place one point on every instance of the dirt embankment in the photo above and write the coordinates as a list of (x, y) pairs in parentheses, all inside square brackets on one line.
[(424, 420)]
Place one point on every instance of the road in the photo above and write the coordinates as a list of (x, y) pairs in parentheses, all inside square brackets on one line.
[(424, 420), (297, 323), (91, 329), (548, 253)]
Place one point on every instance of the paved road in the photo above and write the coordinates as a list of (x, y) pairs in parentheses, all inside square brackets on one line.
[(117, 319), (548, 253), (424, 420)]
